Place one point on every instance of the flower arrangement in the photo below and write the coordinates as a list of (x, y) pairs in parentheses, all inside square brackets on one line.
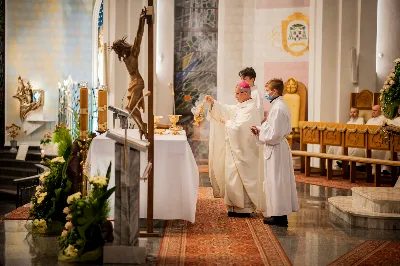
[(12, 131), (390, 93), (82, 239), (46, 139), (50, 198)]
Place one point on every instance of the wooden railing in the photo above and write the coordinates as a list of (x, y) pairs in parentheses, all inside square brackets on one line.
[(26, 186), (366, 137)]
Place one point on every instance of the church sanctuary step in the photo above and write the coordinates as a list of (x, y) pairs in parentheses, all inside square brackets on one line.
[(343, 207), (17, 172), (377, 199), (6, 162), (32, 155)]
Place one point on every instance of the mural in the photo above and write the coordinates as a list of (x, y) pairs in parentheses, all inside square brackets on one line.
[(196, 44)]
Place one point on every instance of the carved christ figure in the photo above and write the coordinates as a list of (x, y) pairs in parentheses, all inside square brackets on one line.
[(130, 54)]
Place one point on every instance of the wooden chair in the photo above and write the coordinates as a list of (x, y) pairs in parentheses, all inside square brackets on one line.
[(295, 96), (364, 101)]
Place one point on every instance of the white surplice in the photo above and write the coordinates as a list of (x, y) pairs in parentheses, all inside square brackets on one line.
[(234, 157), (279, 181), (376, 154), (258, 98)]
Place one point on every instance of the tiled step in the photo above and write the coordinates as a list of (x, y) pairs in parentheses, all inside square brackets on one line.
[(377, 199), (30, 156), (342, 206), (6, 162), (17, 172)]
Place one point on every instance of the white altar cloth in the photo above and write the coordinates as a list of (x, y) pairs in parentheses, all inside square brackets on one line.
[(176, 176)]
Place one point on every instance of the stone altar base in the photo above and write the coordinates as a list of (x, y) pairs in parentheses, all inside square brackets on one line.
[(125, 254), (369, 207), (126, 247)]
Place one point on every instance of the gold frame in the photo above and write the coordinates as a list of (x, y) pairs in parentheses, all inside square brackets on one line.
[(285, 23), (41, 101)]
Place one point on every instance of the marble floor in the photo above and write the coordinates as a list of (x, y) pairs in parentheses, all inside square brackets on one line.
[(314, 236)]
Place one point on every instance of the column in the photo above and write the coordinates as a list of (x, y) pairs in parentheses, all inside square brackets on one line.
[(388, 38)]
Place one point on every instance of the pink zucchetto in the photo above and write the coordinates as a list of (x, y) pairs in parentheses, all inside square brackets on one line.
[(243, 84)]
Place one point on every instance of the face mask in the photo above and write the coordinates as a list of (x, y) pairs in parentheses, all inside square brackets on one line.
[(268, 97)]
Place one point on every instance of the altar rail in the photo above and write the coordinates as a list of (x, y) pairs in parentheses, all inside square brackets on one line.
[(366, 137)]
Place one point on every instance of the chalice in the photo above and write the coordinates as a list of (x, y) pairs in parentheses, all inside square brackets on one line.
[(174, 128), (156, 120)]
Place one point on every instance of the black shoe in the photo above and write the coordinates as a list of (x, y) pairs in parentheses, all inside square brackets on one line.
[(237, 214), (385, 172), (277, 220), (339, 163)]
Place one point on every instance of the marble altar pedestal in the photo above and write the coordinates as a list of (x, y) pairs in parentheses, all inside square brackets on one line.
[(126, 247)]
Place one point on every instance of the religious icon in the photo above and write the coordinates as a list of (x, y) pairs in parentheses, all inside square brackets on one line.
[(29, 100)]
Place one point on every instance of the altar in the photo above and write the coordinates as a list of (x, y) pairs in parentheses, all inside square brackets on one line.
[(176, 176)]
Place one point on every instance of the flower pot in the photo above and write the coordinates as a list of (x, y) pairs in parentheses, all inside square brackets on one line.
[(13, 146)]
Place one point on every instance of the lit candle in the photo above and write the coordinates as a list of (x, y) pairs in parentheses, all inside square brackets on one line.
[(83, 116), (102, 108)]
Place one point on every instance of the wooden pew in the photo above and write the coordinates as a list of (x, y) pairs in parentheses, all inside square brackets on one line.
[(346, 136)]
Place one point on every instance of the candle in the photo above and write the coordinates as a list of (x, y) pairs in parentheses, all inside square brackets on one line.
[(102, 108), (83, 116)]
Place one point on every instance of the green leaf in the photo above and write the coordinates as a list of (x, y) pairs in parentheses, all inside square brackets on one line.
[(106, 195), (81, 220), (88, 213)]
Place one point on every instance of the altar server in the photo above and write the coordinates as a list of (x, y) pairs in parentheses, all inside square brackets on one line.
[(249, 75), (234, 157), (279, 181)]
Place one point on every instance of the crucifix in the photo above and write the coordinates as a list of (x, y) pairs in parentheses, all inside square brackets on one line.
[(129, 54)]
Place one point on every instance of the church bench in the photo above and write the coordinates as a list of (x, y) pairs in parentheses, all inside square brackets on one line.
[(353, 160), (366, 137)]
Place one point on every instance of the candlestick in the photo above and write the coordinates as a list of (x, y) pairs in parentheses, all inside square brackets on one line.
[(173, 96), (102, 110), (83, 116)]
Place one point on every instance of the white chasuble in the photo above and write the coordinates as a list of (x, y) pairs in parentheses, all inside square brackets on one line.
[(234, 157), (279, 181)]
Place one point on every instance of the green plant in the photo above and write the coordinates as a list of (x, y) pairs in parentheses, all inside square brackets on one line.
[(390, 93), (49, 200), (63, 137), (82, 239), (46, 139)]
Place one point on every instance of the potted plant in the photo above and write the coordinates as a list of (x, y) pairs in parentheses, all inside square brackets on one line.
[(12, 131)]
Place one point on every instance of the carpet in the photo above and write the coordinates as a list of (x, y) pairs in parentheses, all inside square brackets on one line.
[(371, 253), (216, 239), (21, 213)]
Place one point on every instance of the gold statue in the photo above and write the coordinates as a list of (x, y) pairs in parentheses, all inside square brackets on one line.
[(292, 99), (25, 96), (130, 54)]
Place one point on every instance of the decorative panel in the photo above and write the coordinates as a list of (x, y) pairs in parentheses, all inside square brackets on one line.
[(396, 143), (311, 136), (332, 138), (354, 140), (376, 142)]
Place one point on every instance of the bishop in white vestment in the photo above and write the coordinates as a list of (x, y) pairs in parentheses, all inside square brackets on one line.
[(234, 157), (279, 181)]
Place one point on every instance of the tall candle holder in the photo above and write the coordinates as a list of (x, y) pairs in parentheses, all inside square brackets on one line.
[(84, 111), (102, 109)]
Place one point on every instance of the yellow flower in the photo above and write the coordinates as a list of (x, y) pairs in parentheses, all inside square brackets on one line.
[(58, 160), (397, 60), (69, 217), (71, 251), (73, 197), (42, 178)]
